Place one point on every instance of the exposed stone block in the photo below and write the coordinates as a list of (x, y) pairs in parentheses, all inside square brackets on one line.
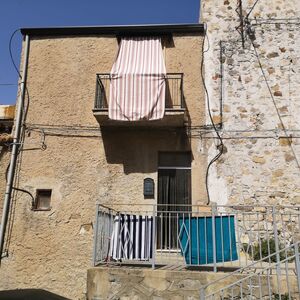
[(278, 194), (226, 108), (217, 119), (230, 61), (285, 141), (283, 109), (272, 55), (248, 79), (259, 159), (282, 49), (296, 200), (277, 173), (257, 14), (230, 179), (242, 109), (275, 87), (288, 157)]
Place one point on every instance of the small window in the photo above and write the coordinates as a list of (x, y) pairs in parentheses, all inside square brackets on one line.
[(148, 188), (43, 199)]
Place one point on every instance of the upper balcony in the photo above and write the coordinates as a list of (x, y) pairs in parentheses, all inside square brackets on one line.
[(175, 110)]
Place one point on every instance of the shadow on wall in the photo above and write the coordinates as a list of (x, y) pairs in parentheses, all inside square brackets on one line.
[(29, 294), (137, 149)]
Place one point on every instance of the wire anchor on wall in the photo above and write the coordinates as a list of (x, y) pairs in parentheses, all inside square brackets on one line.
[(244, 28), (241, 28)]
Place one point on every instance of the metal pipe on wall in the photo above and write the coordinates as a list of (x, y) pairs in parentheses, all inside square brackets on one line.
[(15, 149)]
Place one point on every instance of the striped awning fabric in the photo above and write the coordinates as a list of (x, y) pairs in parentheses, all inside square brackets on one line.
[(137, 87)]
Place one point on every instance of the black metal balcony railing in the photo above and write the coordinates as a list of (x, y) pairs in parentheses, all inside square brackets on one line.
[(174, 91)]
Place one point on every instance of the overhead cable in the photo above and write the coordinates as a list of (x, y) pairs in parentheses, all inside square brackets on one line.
[(220, 146)]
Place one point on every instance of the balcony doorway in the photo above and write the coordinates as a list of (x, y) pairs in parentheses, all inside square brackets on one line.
[(174, 196)]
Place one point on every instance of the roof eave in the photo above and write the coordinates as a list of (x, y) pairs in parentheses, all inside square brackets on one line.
[(116, 30)]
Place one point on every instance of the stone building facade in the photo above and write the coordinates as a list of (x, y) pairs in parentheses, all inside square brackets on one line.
[(251, 72), (252, 66), (68, 151)]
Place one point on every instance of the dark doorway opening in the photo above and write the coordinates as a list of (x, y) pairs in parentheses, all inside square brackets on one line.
[(174, 196)]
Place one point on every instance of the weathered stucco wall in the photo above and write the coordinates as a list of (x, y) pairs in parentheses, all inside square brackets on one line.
[(260, 126), (4, 161), (65, 150), (7, 113)]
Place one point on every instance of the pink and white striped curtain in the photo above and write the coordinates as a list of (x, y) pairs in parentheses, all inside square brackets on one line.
[(137, 86)]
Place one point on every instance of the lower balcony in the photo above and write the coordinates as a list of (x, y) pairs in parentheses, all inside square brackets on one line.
[(192, 236), (253, 252), (175, 111)]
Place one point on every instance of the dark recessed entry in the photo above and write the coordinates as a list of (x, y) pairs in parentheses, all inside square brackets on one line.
[(43, 199)]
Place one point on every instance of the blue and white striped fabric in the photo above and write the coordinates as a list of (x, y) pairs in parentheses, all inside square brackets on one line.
[(131, 237)]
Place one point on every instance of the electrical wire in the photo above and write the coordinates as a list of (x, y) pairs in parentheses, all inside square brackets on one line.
[(220, 146), (250, 11), (19, 189), (18, 72), (22, 134), (11, 54), (274, 103), (26, 192), (275, 23), (25, 108)]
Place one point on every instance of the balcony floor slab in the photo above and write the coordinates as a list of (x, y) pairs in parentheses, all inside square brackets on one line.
[(172, 118)]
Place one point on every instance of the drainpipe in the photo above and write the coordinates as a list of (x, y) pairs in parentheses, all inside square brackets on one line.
[(15, 149)]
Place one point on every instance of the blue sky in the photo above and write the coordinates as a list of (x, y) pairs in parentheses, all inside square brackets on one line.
[(41, 13)]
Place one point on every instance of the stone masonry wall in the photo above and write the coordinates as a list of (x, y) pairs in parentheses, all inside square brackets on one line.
[(145, 284), (257, 88), (170, 284)]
